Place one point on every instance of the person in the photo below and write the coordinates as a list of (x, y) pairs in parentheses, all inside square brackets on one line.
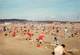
[(13, 33), (56, 40), (28, 34), (66, 32), (59, 50), (40, 39), (4, 28)]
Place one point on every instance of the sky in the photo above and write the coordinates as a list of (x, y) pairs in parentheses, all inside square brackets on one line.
[(40, 9)]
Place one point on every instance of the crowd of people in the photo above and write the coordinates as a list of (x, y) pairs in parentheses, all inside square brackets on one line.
[(41, 32), (52, 30)]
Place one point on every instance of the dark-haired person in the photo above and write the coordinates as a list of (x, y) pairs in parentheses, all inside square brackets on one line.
[(28, 33), (40, 39), (59, 50)]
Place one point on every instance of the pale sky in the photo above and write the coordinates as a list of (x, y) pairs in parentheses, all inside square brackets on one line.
[(40, 9)]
